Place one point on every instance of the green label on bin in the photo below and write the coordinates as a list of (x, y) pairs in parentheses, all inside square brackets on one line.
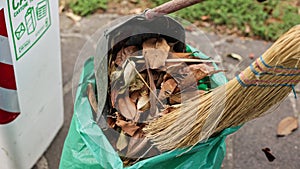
[(29, 20)]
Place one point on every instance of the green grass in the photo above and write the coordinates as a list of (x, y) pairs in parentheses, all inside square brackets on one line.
[(267, 20), (86, 7)]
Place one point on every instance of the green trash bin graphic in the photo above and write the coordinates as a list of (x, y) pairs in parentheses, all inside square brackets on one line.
[(30, 20), (41, 10)]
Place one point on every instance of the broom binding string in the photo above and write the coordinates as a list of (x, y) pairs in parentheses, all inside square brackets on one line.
[(269, 71)]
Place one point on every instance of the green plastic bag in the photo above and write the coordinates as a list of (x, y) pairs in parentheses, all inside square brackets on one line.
[(87, 147)]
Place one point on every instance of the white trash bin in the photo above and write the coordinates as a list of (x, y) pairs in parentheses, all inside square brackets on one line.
[(31, 99)]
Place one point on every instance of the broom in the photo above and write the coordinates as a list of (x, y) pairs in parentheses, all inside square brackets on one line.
[(261, 86)]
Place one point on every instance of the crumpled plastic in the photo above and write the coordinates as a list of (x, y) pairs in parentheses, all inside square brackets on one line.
[(86, 146)]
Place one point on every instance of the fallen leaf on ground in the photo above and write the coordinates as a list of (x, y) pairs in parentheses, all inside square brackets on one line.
[(287, 126), (251, 56), (235, 56), (268, 154), (125, 53), (155, 52), (127, 108), (205, 17)]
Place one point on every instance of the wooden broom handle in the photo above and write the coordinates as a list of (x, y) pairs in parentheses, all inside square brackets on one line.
[(169, 7)]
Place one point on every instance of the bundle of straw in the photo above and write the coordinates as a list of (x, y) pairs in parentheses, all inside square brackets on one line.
[(264, 84)]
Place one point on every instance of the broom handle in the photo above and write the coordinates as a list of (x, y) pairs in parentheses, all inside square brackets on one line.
[(169, 7)]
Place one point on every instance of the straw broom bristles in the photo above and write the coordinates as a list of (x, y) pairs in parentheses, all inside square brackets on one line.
[(234, 103)]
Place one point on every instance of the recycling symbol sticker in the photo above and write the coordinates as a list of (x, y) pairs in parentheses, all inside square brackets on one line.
[(29, 20)]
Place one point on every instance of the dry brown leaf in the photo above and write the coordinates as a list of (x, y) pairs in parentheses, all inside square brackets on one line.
[(122, 142), (287, 126), (124, 53), (143, 103), (195, 73), (127, 108), (156, 52), (167, 89), (180, 55), (111, 122), (128, 127)]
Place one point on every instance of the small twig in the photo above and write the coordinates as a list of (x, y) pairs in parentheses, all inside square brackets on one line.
[(179, 60), (138, 73)]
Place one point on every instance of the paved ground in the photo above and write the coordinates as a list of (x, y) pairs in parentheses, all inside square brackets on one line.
[(244, 147)]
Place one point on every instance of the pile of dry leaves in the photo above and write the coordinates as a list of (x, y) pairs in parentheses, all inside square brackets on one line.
[(146, 82)]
